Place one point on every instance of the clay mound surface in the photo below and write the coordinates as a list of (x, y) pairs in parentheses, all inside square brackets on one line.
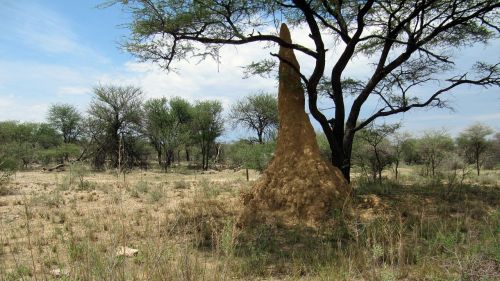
[(298, 184)]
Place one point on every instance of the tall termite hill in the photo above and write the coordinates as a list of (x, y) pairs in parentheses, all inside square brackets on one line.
[(298, 184)]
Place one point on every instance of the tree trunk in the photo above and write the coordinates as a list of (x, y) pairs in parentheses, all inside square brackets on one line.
[(259, 137), (205, 161), (396, 169), (433, 167), (207, 155), (204, 154), (341, 152), (159, 157), (378, 166), (165, 160), (169, 157)]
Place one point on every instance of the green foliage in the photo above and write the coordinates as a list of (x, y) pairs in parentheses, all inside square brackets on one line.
[(207, 125), (115, 117), (7, 166), (67, 120), (80, 171), (373, 152), (156, 195), (409, 151), (142, 186), (23, 143), (433, 148), (58, 154), (167, 126), (258, 112), (22, 271), (411, 45), (47, 137), (473, 144), (324, 146), (250, 155)]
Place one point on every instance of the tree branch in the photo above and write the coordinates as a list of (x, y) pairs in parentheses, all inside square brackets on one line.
[(492, 79)]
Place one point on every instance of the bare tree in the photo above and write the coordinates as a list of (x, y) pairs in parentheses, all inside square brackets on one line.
[(258, 112), (399, 141)]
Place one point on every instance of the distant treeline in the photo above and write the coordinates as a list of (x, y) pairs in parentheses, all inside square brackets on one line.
[(122, 130)]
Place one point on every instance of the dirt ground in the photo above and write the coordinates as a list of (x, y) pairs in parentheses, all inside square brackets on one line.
[(56, 226), (42, 212)]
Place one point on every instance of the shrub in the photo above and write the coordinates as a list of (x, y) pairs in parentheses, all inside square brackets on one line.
[(250, 155), (207, 218), (80, 171), (4, 179), (181, 184), (156, 195), (142, 186)]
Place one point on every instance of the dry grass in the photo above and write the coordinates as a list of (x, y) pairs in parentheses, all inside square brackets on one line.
[(184, 226)]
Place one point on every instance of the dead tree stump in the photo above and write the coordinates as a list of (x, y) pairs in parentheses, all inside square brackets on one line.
[(298, 184)]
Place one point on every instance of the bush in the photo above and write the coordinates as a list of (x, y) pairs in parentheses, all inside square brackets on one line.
[(142, 186), (80, 171), (59, 153), (6, 166), (205, 218), (181, 184), (4, 178), (156, 194), (250, 155)]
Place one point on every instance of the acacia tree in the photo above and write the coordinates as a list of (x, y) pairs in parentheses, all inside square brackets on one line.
[(166, 125), (434, 147), (409, 42), (207, 125), (400, 143), (258, 112), (378, 147), (474, 144), (67, 120), (115, 115)]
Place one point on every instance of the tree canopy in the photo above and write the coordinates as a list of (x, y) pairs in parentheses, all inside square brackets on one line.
[(167, 125), (207, 125), (257, 112), (410, 42), (474, 144), (115, 115), (66, 119)]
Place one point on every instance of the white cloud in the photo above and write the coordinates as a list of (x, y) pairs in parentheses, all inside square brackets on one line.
[(73, 90), (205, 80), (5, 102), (458, 117), (36, 85), (24, 111), (42, 29)]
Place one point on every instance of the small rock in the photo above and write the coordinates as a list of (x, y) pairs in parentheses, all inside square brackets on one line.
[(126, 251), (57, 272)]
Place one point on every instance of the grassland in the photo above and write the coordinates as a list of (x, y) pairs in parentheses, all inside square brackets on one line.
[(59, 226)]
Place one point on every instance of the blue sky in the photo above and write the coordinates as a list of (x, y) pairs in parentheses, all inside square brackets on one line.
[(56, 51)]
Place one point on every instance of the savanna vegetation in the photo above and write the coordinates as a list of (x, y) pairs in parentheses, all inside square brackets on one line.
[(152, 175), (147, 189)]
